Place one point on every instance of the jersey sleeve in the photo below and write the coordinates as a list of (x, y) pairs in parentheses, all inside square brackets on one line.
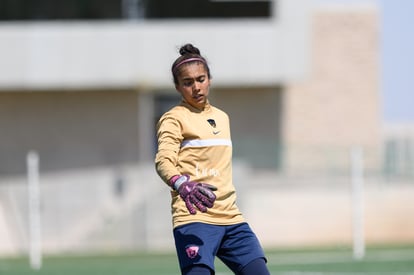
[(169, 137)]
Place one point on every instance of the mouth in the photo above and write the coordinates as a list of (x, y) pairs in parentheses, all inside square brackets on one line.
[(198, 97)]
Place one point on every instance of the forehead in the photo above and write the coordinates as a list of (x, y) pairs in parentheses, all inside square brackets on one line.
[(192, 70)]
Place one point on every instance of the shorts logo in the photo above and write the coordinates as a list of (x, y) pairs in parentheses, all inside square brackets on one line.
[(192, 251)]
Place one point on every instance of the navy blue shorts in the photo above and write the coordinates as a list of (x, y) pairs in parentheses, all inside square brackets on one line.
[(199, 243)]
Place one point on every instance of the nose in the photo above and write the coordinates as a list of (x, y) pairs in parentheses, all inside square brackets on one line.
[(196, 86)]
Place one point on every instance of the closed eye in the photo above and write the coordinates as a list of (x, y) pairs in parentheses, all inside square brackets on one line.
[(188, 83), (201, 79)]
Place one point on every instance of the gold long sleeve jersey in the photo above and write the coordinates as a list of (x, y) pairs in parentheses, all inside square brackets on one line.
[(198, 143)]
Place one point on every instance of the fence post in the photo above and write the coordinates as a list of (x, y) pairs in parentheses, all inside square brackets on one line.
[(35, 253), (357, 190)]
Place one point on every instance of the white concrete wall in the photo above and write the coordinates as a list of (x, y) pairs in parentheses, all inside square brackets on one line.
[(8, 244), (119, 53), (82, 213)]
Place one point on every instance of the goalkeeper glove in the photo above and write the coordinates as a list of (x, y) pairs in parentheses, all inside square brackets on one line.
[(195, 194)]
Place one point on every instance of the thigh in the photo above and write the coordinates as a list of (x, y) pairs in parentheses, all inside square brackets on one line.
[(197, 270), (239, 247), (257, 267), (197, 244)]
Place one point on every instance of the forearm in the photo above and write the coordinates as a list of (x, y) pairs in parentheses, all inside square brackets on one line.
[(165, 167)]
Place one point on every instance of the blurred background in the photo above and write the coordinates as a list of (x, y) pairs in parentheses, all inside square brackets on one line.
[(319, 94)]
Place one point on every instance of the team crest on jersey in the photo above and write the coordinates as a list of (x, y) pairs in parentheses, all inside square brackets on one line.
[(212, 122)]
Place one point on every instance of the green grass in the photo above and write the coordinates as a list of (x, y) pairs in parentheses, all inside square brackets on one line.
[(378, 260)]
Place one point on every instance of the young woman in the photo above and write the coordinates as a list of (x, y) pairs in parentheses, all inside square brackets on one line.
[(195, 159)]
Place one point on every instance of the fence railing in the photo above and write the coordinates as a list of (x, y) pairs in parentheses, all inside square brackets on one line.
[(307, 200)]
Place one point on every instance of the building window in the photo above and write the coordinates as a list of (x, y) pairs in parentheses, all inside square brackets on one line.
[(59, 9), (11, 10), (208, 9)]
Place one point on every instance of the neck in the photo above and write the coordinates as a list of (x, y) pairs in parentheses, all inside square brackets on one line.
[(199, 108)]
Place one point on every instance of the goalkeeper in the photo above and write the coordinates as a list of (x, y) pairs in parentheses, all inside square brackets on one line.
[(194, 158)]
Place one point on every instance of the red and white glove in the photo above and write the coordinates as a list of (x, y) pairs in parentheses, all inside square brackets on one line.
[(195, 194)]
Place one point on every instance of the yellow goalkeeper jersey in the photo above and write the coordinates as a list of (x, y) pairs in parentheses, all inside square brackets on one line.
[(198, 143)]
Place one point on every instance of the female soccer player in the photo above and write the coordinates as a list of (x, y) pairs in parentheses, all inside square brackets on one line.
[(194, 158)]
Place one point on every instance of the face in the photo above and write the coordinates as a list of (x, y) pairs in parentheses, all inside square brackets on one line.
[(194, 84)]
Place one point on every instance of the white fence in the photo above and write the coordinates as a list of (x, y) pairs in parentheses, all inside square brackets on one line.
[(127, 208)]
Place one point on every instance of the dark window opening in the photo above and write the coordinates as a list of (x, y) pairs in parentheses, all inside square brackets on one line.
[(12, 10), (59, 9), (208, 9)]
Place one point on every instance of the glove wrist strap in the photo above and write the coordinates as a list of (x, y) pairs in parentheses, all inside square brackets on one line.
[(176, 181)]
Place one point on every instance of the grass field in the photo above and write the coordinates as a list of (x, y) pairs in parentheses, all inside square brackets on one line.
[(378, 260)]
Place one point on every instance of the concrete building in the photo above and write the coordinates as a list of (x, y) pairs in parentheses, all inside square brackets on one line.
[(88, 94)]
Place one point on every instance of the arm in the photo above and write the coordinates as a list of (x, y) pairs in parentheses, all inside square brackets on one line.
[(195, 194), (169, 141)]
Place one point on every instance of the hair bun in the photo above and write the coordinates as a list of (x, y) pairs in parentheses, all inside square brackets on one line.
[(189, 49)]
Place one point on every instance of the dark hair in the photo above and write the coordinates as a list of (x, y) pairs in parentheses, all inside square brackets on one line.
[(189, 54)]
